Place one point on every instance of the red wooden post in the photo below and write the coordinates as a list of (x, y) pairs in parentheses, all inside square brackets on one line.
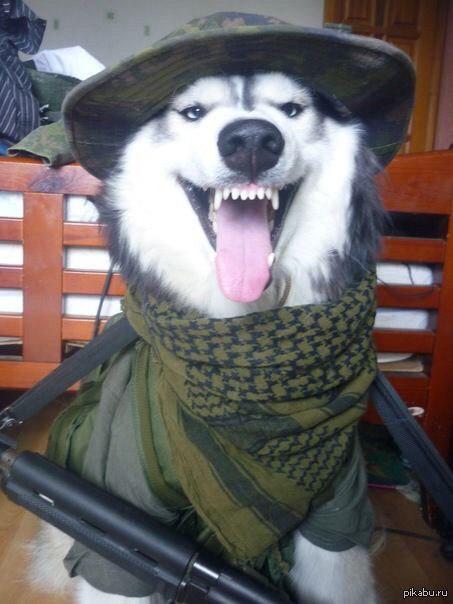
[(42, 276), (439, 416)]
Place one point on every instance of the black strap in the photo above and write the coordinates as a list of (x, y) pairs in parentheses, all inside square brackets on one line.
[(102, 347), (415, 445), (105, 291)]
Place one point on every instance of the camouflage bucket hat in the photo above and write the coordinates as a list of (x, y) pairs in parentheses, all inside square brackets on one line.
[(372, 79)]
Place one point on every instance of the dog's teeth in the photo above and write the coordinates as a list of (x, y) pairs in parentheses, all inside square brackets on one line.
[(275, 201), (234, 193), (244, 194), (214, 226), (270, 259), (205, 189), (260, 193), (268, 193), (226, 192), (252, 194), (218, 197)]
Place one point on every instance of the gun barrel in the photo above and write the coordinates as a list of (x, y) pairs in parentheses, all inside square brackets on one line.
[(126, 535)]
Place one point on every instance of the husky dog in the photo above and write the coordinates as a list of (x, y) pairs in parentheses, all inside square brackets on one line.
[(244, 194)]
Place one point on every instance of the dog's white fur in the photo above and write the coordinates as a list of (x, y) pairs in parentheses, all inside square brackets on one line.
[(154, 205), (163, 234)]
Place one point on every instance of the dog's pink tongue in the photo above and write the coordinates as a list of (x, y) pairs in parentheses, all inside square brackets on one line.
[(243, 248)]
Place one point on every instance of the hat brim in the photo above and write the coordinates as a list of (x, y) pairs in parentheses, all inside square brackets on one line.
[(372, 79)]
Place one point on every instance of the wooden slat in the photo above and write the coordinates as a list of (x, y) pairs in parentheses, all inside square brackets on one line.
[(11, 277), (398, 340), (408, 296), (74, 282), (74, 328), (42, 277), (29, 175), (85, 282), (81, 234), (413, 249), (419, 182), (21, 375), (10, 229), (11, 326)]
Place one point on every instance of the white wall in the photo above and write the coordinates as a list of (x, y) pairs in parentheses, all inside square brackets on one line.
[(114, 29)]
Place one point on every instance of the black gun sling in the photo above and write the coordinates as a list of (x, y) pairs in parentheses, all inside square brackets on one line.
[(98, 350), (431, 469)]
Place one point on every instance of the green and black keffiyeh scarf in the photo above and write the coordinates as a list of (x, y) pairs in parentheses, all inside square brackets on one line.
[(259, 410)]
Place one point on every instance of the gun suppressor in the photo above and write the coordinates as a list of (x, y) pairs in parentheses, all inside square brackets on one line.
[(126, 535)]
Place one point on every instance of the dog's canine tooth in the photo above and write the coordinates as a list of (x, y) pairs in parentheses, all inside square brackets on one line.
[(218, 197), (268, 192), (260, 193), (270, 259), (244, 194), (234, 193), (275, 199)]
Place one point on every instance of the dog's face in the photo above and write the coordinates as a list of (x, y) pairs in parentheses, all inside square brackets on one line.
[(239, 183), (250, 133)]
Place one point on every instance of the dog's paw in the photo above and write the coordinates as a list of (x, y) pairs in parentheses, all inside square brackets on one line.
[(46, 552), (325, 577)]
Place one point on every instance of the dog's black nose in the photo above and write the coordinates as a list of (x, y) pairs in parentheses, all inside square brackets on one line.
[(251, 146)]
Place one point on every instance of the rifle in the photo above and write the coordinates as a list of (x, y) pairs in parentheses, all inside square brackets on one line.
[(126, 535)]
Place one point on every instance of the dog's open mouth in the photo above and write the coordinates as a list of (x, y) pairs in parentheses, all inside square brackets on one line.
[(243, 224)]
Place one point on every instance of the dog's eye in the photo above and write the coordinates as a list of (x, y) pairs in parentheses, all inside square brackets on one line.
[(195, 112), (291, 109)]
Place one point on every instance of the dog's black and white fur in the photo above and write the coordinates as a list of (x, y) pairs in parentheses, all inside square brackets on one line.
[(159, 207)]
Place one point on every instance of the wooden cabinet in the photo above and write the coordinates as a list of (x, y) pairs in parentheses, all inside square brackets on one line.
[(418, 28)]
